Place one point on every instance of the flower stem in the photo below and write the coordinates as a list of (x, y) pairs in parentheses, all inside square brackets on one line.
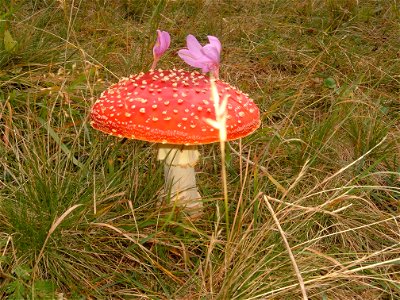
[(154, 64), (220, 118), (225, 187)]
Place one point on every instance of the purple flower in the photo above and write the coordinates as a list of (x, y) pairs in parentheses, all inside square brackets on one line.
[(205, 57), (162, 44)]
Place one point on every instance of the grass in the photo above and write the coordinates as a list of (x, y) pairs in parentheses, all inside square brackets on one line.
[(78, 209)]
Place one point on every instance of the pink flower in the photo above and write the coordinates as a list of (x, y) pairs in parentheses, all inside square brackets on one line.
[(162, 44), (205, 57)]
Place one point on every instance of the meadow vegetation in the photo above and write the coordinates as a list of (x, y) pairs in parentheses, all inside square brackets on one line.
[(79, 213)]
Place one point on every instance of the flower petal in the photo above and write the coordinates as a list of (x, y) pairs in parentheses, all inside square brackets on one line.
[(165, 40), (162, 43), (211, 52), (193, 45), (196, 62), (214, 41), (207, 58)]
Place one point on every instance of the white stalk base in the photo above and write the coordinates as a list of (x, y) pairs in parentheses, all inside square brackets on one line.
[(180, 177), (181, 183)]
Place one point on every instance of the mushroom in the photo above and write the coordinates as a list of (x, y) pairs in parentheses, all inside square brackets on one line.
[(171, 107)]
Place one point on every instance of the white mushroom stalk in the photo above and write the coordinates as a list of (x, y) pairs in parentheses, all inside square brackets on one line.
[(180, 176)]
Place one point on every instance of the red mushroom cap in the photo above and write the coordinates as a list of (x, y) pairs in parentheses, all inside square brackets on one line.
[(171, 106)]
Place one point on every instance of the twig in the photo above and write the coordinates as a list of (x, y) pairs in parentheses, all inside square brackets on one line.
[(287, 246)]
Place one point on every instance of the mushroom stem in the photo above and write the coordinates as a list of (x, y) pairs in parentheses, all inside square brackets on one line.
[(180, 177)]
